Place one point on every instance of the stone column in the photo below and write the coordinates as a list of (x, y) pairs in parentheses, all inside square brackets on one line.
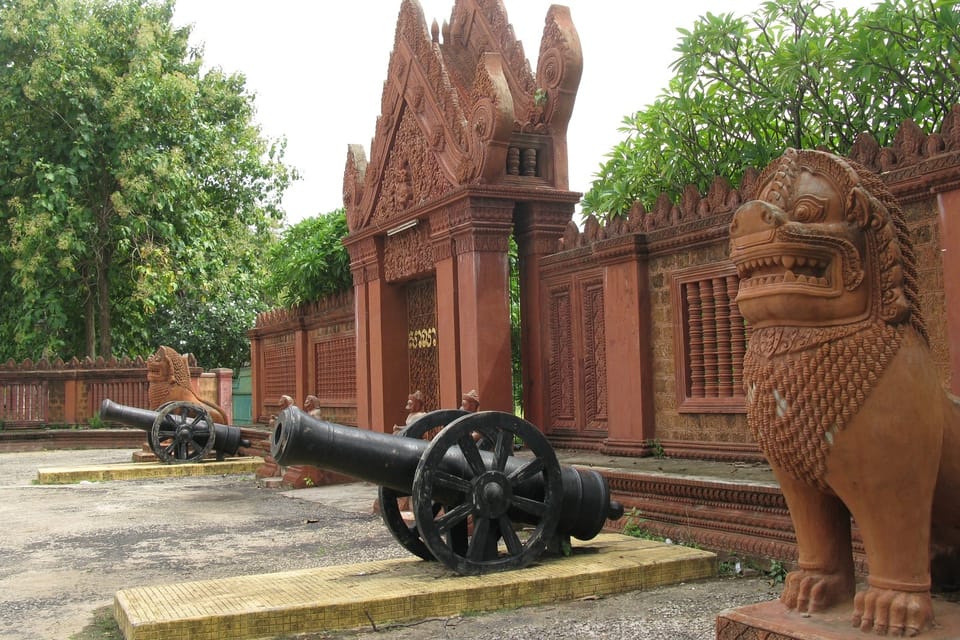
[(381, 325), (224, 378), (301, 358), (629, 362), (949, 204), (359, 260), (448, 339), (481, 231), (539, 227), (71, 412), (256, 375)]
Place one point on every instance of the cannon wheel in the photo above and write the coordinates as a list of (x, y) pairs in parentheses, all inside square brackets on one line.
[(408, 535), (182, 432), (488, 494)]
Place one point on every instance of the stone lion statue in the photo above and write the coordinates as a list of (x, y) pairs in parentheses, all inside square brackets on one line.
[(842, 394), (168, 373)]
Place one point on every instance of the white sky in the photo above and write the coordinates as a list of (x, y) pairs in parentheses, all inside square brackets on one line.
[(317, 70)]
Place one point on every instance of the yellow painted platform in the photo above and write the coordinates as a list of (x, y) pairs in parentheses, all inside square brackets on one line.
[(390, 591), (142, 470)]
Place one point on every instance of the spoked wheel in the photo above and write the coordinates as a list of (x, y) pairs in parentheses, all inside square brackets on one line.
[(494, 489), (408, 535), (182, 432)]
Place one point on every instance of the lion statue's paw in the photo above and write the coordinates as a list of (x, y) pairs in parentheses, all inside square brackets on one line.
[(811, 591), (892, 612)]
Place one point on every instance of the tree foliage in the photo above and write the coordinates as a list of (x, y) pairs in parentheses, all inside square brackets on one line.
[(798, 74), (309, 261), (132, 184)]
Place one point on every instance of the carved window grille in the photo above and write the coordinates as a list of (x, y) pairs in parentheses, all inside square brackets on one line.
[(710, 338), (335, 361), (422, 347), (279, 368)]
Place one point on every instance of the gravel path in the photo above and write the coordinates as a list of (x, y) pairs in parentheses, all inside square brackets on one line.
[(65, 550)]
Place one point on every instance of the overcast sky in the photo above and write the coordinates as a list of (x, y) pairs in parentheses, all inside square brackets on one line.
[(317, 70)]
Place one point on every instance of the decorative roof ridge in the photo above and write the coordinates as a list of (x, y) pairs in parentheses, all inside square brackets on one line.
[(58, 364), (911, 147), (282, 315), (721, 198)]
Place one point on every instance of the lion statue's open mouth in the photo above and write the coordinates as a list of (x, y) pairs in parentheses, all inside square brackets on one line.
[(782, 265), (804, 273), (841, 391)]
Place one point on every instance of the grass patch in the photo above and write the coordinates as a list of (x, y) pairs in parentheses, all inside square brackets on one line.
[(103, 627)]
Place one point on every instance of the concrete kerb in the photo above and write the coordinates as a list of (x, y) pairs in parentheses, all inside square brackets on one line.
[(392, 591)]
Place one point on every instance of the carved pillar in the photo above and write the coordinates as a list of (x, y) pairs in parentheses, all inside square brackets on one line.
[(481, 229), (361, 316), (629, 347), (539, 227), (224, 379), (448, 329), (949, 203), (71, 415), (381, 326), (301, 359), (256, 375), (389, 374)]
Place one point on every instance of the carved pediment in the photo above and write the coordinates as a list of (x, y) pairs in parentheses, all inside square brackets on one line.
[(448, 110), (411, 175)]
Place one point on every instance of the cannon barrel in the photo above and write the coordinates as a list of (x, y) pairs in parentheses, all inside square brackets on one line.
[(391, 461), (227, 438)]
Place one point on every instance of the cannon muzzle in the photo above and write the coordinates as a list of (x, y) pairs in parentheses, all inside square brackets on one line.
[(178, 431), (459, 479)]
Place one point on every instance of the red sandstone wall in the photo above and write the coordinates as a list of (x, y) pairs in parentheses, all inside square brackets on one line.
[(306, 350), (674, 240)]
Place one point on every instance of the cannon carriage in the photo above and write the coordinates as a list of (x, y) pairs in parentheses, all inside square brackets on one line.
[(178, 431), (478, 508)]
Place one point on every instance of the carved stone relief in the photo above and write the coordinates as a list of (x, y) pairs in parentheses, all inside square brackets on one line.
[(422, 341), (407, 254)]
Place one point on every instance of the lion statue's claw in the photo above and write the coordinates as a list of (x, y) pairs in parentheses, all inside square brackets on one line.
[(811, 591), (891, 612)]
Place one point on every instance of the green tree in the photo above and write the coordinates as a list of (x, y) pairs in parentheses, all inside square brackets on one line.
[(130, 181), (211, 320), (797, 73), (309, 261)]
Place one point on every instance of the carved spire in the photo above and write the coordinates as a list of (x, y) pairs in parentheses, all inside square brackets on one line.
[(450, 107), (353, 178)]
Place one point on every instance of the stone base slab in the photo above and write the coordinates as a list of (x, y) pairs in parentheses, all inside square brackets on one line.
[(142, 470), (773, 621), (391, 591)]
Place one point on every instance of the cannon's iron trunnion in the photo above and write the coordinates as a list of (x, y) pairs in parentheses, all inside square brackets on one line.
[(178, 431), (470, 493)]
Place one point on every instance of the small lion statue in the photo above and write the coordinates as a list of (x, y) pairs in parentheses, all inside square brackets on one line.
[(842, 394), (168, 373)]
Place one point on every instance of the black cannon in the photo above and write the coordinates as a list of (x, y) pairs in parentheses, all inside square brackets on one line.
[(478, 506), (178, 431)]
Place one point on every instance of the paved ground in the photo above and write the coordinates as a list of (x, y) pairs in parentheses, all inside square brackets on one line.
[(65, 550)]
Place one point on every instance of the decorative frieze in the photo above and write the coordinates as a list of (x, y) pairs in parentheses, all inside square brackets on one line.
[(407, 254)]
